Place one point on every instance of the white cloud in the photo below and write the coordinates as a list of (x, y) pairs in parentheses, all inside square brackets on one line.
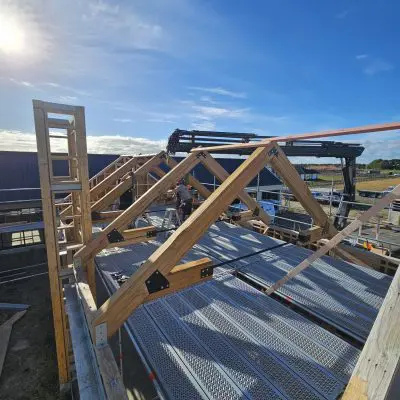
[(216, 112), (162, 115), (55, 85), (123, 25), (377, 66), (204, 126), (102, 7), (21, 83), (124, 145), (123, 120), (107, 144), (161, 121), (68, 99), (207, 99), (374, 65), (220, 91), (384, 149), (110, 144), (343, 14)]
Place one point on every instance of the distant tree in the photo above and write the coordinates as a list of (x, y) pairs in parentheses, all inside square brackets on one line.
[(384, 164), (376, 164)]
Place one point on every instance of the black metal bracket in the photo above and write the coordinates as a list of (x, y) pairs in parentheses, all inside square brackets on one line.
[(208, 271), (201, 154), (151, 233), (273, 152), (114, 236), (156, 282)]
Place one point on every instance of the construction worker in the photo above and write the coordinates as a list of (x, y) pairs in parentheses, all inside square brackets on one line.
[(367, 246), (184, 201)]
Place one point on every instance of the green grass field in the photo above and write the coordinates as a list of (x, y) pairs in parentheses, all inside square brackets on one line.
[(379, 184), (329, 178)]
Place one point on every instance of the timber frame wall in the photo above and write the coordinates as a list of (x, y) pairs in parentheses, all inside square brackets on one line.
[(106, 320), (63, 239)]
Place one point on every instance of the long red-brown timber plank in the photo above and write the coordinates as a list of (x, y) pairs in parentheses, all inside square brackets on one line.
[(313, 135)]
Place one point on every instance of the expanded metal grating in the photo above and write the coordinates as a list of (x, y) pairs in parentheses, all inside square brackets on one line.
[(345, 295), (225, 339)]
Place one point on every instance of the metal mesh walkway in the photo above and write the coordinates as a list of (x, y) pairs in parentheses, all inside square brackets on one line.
[(346, 296), (226, 339)]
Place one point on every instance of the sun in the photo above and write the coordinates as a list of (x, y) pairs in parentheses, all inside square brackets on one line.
[(12, 37)]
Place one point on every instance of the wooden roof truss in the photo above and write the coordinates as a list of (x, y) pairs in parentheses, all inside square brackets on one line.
[(139, 288)]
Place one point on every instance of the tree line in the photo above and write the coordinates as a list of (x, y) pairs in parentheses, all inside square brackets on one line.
[(384, 164)]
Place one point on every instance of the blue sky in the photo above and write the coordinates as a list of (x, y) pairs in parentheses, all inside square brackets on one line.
[(144, 68)]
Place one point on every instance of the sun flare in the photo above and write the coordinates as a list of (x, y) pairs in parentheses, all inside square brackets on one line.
[(12, 37)]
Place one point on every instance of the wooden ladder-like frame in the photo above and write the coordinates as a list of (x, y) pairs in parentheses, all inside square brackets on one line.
[(77, 233)]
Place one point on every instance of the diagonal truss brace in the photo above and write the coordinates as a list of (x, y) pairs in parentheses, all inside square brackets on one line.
[(127, 182), (138, 207), (216, 169), (382, 203)]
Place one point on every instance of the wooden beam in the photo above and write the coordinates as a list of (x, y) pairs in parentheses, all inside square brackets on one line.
[(159, 172), (111, 179), (216, 169), (203, 191), (139, 206), (286, 170), (378, 262), (134, 291), (138, 232), (109, 168), (127, 183), (137, 235), (49, 218), (84, 196), (364, 217), (313, 135), (243, 216), (185, 275), (106, 216), (57, 123), (310, 235), (55, 108), (116, 192), (377, 369)]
